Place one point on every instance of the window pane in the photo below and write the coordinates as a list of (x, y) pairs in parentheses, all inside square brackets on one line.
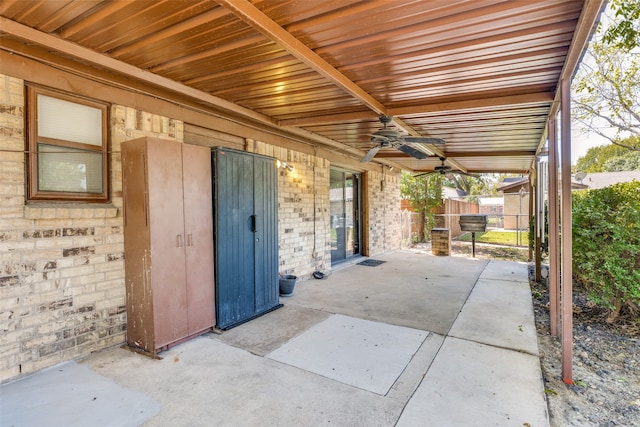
[(69, 121), (69, 170)]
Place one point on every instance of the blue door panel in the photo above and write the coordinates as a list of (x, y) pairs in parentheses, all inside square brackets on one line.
[(245, 235)]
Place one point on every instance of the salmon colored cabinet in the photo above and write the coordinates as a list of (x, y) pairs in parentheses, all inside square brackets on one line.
[(168, 237)]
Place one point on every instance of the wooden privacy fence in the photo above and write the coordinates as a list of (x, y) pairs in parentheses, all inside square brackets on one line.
[(446, 217)]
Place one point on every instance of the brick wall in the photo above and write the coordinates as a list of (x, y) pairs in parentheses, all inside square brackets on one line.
[(303, 211), (385, 215), (62, 291)]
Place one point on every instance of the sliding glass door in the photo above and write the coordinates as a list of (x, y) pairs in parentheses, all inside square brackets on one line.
[(345, 214)]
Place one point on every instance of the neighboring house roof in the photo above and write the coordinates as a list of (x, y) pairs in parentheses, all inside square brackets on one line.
[(514, 186), (606, 179), (512, 183)]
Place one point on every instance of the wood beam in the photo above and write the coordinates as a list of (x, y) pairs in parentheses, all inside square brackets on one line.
[(36, 38), (531, 99), (497, 153), (262, 23), (465, 154), (87, 55)]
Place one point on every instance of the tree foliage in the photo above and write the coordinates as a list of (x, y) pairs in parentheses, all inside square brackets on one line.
[(606, 87), (610, 158), (606, 246), (470, 185), (424, 194), (607, 93), (625, 32)]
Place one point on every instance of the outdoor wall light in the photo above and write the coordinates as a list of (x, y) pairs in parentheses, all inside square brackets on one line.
[(285, 165)]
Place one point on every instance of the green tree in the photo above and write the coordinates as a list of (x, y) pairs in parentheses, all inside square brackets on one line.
[(471, 185), (610, 158), (425, 194), (606, 88), (607, 93), (625, 32)]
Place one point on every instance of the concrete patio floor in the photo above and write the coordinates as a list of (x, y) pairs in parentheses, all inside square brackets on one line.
[(416, 341)]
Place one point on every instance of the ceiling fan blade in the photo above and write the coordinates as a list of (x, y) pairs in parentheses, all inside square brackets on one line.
[(370, 154), (412, 152), (425, 174), (471, 175), (423, 139)]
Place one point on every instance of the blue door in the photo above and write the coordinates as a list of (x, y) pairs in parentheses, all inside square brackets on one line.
[(245, 236)]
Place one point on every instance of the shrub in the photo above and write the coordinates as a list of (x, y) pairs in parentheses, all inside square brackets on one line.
[(606, 246)]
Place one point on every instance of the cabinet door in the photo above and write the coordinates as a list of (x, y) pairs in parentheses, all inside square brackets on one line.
[(198, 222), (168, 272)]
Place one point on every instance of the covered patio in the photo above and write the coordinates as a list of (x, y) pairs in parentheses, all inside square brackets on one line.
[(480, 83), (417, 340)]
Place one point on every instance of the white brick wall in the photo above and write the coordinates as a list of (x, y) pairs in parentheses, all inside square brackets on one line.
[(62, 292), (385, 226), (303, 211)]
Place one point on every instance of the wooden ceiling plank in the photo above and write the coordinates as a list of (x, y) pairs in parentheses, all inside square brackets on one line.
[(207, 54), (17, 10), (525, 100), (261, 22), (478, 22), (494, 153), (150, 32), (71, 10), (88, 55), (77, 27), (482, 47), (520, 100), (327, 119)]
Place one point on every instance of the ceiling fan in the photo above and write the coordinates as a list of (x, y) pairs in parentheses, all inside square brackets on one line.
[(443, 169), (387, 137)]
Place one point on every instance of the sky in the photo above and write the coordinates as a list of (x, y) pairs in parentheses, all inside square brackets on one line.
[(581, 141)]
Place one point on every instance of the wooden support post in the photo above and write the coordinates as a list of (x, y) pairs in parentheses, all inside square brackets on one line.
[(566, 221), (538, 205), (554, 234), (531, 211)]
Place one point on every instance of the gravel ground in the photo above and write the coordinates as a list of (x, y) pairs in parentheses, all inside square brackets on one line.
[(606, 362), (606, 367)]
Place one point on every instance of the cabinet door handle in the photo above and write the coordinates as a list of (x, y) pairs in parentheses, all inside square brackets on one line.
[(189, 239), (254, 227), (179, 240)]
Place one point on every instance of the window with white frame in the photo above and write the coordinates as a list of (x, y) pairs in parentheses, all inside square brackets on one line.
[(67, 146)]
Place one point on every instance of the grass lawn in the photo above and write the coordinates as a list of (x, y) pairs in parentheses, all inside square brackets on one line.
[(498, 237)]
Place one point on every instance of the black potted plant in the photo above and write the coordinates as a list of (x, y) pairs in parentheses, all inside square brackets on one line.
[(287, 283)]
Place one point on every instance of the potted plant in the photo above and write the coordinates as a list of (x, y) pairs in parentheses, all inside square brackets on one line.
[(287, 283)]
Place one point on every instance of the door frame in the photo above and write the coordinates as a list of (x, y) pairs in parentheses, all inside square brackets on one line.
[(358, 208)]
